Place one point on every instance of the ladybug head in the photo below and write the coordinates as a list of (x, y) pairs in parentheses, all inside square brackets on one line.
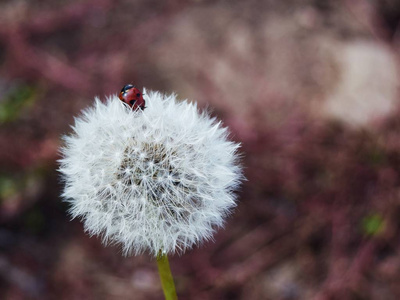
[(126, 88)]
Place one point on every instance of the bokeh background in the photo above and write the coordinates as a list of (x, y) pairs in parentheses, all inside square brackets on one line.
[(309, 87)]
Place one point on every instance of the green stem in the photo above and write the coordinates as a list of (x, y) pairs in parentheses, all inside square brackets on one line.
[(167, 281)]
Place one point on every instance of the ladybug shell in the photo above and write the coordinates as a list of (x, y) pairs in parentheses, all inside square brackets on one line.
[(132, 96)]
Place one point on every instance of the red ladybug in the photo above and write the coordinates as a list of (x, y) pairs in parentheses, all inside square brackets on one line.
[(132, 96)]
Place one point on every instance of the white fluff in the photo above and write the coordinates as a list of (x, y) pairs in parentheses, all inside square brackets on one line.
[(156, 180)]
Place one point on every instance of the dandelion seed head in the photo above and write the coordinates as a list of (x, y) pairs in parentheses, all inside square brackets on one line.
[(159, 179)]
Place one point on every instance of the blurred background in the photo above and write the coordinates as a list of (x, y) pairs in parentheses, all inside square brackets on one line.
[(309, 87)]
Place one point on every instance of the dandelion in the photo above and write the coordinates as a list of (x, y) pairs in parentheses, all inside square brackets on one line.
[(158, 180)]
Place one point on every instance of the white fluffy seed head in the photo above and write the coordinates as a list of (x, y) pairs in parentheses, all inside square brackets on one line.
[(161, 179)]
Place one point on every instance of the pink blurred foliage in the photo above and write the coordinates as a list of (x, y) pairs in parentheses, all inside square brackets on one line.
[(311, 182)]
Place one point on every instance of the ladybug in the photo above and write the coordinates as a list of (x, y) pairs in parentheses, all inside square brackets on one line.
[(132, 96)]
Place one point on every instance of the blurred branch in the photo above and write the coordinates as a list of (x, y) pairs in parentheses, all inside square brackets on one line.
[(27, 59), (366, 13), (29, 284)]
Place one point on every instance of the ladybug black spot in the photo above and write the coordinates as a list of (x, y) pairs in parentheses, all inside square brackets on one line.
[(138, 95), (132, 102)]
